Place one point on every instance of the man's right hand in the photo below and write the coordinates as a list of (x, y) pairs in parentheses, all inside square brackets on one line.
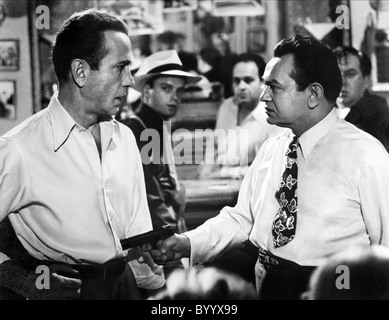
[(64, 285), (170, 249), (63, 282)]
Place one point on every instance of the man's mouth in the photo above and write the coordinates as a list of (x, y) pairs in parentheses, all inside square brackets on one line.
[(120, 98), (242, 97), (343, 93)]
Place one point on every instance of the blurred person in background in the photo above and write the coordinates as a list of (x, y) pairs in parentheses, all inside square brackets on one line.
[(356, 273), (356, 103), (208, 64), (241, 120), (220, 41), (206, 284)]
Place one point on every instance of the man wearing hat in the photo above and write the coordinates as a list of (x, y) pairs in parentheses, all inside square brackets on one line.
[(161, 79)]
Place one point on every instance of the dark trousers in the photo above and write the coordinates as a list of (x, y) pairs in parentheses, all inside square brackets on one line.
[(238, 261), (285, 284), (121, 287), (283, 279), (118, 284)]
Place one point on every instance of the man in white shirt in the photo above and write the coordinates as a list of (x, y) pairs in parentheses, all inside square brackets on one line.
[(334, 193), (71, 179), (241, 126)]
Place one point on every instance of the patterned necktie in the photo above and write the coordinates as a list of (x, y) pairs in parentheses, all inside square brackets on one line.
[(284, 225)]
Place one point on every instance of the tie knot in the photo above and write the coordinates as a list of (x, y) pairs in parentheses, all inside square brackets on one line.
[(294, 144)]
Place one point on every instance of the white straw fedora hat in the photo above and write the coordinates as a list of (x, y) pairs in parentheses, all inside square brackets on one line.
[(162, 63)]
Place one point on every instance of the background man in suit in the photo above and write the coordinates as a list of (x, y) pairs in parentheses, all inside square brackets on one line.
[(366, 110)]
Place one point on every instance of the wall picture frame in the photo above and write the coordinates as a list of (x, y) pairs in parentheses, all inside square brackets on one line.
[(9, 55), (143, 17), (7, 99)]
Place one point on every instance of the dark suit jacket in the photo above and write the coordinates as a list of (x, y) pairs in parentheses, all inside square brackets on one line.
[(371, 114), (160, 187)]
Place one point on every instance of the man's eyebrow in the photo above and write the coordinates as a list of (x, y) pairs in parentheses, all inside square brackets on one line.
[(245, 77), (271, 82), (166, 84), (125, 63), (171, 86), (350, 70)]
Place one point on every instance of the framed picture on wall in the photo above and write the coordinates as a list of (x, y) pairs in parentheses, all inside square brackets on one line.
[(7, 99), (141, 16), (9, 55)]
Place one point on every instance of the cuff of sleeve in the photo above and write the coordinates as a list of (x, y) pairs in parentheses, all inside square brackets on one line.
[(3, 258), (199, 247), (151, 282), (148, 275)]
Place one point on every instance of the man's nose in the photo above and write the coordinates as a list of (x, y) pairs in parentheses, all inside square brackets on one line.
[(174, 95), (242, 84), (128, 80), (344, 81), (265, 96)]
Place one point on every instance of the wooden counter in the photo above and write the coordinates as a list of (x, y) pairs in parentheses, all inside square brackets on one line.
[(205, 198)]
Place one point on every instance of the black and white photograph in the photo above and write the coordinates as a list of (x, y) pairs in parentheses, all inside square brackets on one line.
[(7, 99), (9, 55), (194, 155)]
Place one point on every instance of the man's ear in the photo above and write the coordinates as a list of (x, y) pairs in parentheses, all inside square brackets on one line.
[(146, 92), (80, 72), (316, 95), (368, 81)]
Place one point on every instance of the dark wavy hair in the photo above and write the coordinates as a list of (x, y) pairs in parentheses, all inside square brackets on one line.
[(82, 37), (313, 62), (251, 57), (364, 60)]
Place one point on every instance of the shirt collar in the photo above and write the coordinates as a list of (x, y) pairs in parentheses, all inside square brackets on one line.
[(310, 138), (62, 123)]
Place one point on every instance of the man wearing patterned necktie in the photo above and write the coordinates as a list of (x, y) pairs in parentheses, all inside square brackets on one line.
[(334, 181), (284, 224)]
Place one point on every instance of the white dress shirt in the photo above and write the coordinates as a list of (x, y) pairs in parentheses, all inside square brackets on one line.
[(343, 183), (67, 205)]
